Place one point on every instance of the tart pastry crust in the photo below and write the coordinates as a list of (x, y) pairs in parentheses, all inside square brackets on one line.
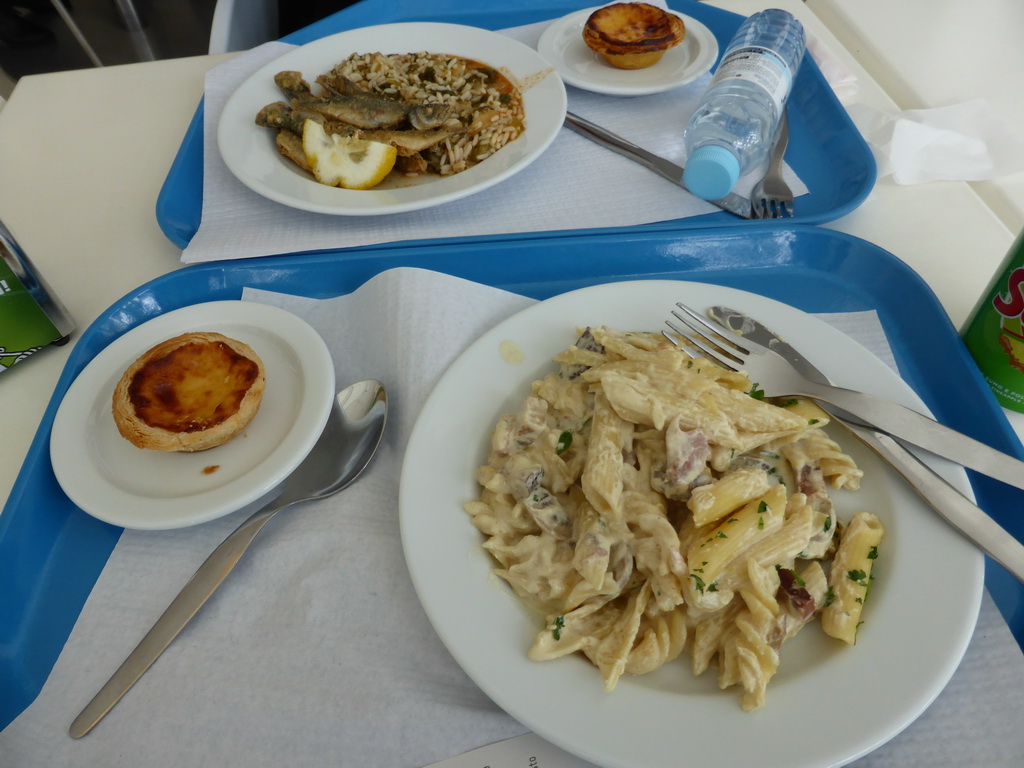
[(632, 35), (189, 393)]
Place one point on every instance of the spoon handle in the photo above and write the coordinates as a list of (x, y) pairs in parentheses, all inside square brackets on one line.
[(193, 596)]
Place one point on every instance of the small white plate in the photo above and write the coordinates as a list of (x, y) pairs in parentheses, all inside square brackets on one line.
[(111, 479), (562, 45), (918, 621), (250, 153)]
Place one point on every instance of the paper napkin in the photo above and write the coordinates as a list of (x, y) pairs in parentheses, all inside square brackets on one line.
[(575, 184), (961, 142), (316, 652)]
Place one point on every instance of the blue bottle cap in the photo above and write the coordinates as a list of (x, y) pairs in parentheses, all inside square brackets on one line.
[(711, 172)]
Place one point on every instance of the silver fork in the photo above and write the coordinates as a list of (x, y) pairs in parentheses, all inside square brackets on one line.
[(774, 376), (771, 197)]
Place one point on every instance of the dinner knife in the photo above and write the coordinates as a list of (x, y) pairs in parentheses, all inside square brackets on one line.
[(953, 506), (733, 203)]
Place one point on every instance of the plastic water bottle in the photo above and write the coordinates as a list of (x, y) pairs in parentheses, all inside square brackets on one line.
[(731, 132)]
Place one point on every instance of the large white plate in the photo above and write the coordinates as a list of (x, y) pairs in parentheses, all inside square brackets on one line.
[(111, 479), (827, 704), (562, 45), (250, 153)]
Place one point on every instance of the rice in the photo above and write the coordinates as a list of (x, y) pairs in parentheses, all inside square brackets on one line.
[(487, 107)]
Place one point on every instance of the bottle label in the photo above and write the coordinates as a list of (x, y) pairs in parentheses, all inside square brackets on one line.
[(758, 65), (24, 327), (995, 332)]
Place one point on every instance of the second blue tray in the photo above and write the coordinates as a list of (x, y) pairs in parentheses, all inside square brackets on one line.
[(825, 148), (51, 552)]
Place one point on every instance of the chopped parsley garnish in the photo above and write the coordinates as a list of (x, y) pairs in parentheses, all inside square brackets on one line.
[(830, 597), (564, 442), (698, 582), (873, 553), (813, 421), (721, 535), (858, 576), (756, 392), (828, 523), (762, 507), (788, 403), (556, 631)]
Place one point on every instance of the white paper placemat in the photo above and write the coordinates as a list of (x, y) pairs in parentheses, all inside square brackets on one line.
[(574, 185), (315, 651)]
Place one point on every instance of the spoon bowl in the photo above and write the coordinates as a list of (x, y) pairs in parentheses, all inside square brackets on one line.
[(349, 440)]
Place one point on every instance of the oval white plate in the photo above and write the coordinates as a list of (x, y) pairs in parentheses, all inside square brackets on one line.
[(250, 153), (827, 704), (111, 479), (562, 45)]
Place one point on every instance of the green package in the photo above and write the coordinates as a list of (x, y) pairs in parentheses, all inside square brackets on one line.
[(31, 317)]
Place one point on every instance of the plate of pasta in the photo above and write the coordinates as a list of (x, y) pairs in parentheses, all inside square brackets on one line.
[(643, 561)]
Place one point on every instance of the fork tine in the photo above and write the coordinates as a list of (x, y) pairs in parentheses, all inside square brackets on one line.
[(701, 348), (705, 338), (722, 334)]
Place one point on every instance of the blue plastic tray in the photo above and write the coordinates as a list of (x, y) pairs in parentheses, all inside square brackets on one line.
[(51, 552), (825, 149)]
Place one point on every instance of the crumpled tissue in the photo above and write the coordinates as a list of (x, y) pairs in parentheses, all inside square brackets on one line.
[(970, 141)]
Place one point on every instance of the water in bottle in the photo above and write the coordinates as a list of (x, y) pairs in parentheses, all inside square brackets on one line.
[(994, 333), (731, 131)]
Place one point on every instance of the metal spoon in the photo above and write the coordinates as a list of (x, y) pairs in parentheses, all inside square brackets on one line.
[(350, 439)]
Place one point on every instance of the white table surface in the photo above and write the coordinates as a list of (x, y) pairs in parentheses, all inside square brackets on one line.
[(936, 53)]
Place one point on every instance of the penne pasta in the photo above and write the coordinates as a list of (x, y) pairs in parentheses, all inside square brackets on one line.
[(850, 578), (710, 503), (645, 504)]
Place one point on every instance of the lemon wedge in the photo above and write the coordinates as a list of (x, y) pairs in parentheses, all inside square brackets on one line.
[(343, 161)]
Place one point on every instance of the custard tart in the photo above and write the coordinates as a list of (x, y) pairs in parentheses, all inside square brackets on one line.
[(632, 35), (189, 393)]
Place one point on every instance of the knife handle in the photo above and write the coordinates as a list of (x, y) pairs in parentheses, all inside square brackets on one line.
[(178, 614), (731, 203), (953, 506), (920, 430)]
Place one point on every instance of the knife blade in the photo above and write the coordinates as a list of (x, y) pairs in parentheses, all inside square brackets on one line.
[(951, 505), (732, 203), (886, 416)]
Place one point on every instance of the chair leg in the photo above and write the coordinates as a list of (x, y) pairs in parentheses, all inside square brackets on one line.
[(62, 11), (140, 41)]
